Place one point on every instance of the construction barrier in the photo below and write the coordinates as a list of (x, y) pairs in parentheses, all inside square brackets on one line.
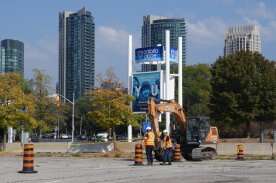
[(28, 159), (138, 154), (177, 153), (240, 152)]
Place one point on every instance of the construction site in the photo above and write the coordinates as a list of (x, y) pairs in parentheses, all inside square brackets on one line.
[(213, 123), (199, 155)]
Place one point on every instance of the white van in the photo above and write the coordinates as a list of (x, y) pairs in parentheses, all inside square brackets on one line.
[(102, 137)]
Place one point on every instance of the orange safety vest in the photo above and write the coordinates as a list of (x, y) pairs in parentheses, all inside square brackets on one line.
[(149, 139), (167, 142)]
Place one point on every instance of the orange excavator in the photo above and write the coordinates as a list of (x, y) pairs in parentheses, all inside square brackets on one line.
[(195, 135)]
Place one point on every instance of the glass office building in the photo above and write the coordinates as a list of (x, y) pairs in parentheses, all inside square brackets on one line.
[(12, 56), (153, 34), (146, 29), (76, 53)]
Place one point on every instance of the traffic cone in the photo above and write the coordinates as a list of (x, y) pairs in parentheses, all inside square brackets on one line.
[(28, 159)]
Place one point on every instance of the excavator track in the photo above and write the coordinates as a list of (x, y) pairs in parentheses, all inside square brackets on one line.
[(203, 153), (194, 152)]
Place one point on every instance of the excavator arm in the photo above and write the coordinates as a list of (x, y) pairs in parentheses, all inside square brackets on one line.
[(155, 109)]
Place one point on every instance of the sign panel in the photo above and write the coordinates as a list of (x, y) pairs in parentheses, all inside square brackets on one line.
[(145, 85), (173, 55), (153, 54), (149, 54), (145, 124)]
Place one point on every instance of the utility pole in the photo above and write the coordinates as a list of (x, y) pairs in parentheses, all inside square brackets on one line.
[(129, 128), (73, 113), (81, 126), (180, 100), (73, 117), (167, 78)]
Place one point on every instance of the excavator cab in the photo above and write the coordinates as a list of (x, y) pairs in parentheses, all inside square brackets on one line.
[(199, 130), (200, 136)]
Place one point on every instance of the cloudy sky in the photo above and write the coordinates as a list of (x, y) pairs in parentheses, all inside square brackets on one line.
[(36, 24)]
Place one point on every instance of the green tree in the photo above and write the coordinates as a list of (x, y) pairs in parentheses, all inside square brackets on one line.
[(243, 91), (83, 122), (64, 117), (111, 108), (110, 105), (196, 89), (266, 82), (16, 103), (45, 106)]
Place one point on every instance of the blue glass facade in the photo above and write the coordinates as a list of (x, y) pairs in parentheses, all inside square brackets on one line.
[(12, 56), (177, 29), (153, 34), (76, 53)]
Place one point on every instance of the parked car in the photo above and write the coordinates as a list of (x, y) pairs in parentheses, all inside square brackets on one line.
[(92, 138), (82, 137), (102, 137), (64, 136), (48, 136), (34, 138), (121, 137)]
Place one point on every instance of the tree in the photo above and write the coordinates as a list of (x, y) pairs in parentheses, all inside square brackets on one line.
[(111, 108), (243, 91), (64, 117), (45, 107), (16, 103), (110, 105), (109, 80), (196, 89), (82, 120), (266, 105)]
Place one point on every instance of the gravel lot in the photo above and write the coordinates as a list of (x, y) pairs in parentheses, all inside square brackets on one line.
[(83, 170)]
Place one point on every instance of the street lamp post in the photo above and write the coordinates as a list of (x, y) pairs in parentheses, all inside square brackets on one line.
[(73, 118), (73, 113)]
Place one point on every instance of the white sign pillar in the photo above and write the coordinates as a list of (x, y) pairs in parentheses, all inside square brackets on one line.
[(10, 135), (167, 62), (129, 129), (180, 101)]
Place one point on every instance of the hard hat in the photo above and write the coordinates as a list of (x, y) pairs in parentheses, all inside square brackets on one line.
[(165, 131), (148, 128)]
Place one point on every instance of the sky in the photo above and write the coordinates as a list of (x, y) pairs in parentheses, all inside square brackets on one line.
[(36, 24)]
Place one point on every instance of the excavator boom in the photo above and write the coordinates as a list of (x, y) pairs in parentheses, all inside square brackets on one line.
[(155, 109)]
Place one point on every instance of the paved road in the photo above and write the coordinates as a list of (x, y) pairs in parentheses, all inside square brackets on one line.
[(80, 170)]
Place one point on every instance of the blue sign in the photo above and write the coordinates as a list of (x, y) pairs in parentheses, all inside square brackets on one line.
[(149, 54), (145, 85), (173, 55), (153, 54), (145, 124)]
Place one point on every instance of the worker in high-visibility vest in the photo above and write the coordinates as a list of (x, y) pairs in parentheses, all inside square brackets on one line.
[(166, 145), (149, 144)]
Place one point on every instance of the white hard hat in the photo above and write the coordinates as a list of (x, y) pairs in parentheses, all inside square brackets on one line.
[(165, 131), (148, 128)]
